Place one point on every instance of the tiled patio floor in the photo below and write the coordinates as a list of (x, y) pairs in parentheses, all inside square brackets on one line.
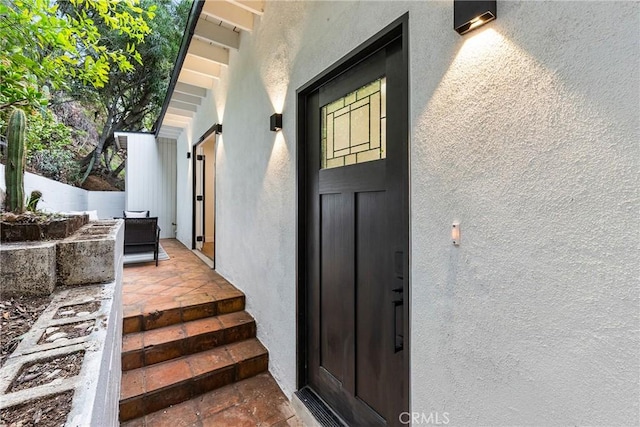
[(181, 280), (178, 283)]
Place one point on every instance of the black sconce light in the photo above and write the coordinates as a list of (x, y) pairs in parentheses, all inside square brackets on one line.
[(469, 15), (275, 122), (217, 128)]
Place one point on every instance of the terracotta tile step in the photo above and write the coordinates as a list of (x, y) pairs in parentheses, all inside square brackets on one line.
[(151, 388), (173, 341), (256, 401), (182, 309)]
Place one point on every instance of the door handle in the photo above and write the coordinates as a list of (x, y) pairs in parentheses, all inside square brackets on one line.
[(398, 324)]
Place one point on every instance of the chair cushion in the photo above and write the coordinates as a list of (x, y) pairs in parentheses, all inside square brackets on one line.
[(136, 214)]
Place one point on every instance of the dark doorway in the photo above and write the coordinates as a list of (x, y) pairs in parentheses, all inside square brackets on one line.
[(353, 227)]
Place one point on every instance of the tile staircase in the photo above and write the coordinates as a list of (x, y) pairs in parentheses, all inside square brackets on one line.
[(184, 349)]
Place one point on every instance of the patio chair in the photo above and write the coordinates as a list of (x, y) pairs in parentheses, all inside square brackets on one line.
[(141, 235)]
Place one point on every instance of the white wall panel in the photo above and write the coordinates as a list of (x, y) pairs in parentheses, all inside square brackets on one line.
[(59, 197), (56, 197), (184, 190), (109, 204), (151, 178)]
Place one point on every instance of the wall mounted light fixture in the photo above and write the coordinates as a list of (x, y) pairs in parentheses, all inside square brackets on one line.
[(275, 122), (217, 128), (455, 233), (469, 15)]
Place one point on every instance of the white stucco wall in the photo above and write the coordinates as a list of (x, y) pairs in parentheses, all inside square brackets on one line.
[(109, 204), (207, 115), (59, 197), (151, 178), (527, 133), (184, 189)]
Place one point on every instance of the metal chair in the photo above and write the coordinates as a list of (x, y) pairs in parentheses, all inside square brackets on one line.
[(142, 235)]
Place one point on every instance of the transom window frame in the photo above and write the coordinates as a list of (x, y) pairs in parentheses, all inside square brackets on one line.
[(363, 106)]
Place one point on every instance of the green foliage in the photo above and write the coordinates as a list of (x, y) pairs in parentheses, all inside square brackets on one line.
[(46, 43), (48, 148), (14, 167), (34, 198), (59, 164), (46, 133), (132, 100)]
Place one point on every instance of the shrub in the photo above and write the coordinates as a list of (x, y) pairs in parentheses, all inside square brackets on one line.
[(49, 148), (58, 164), (46, 133)]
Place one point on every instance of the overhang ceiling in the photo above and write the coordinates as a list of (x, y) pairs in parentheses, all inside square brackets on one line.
[(213, 30)]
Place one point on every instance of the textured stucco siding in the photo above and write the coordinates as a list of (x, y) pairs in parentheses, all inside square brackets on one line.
[(525, 132), (530, 139)]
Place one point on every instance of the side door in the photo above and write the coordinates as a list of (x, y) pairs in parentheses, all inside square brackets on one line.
[(356, 197)]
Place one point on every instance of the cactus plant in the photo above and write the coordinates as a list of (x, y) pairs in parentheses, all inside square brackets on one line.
[(16, 159), (34, 198)]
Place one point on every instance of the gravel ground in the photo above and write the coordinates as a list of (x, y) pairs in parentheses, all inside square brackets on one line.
[(17, 316)]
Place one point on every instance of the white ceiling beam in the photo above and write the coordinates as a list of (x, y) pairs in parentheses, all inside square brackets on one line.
[(215, 33), (161, 134), (209, 51), (255, 7), (179, 112), (171, 129), (185, 97), (171, 122), (170, 132), (201, 66), (176, 118), (188, 89), (229, 13), (195, 79), (176, 121), (183, 106)]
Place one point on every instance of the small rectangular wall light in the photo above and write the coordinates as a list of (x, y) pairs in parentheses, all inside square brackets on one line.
[(455, 233), (217, 128), (469, 15), (275, 122)]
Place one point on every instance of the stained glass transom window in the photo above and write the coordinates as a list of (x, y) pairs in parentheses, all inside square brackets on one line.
[(354, 127)]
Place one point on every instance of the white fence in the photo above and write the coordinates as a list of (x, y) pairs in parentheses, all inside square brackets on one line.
[(151, 178), (60, 197)]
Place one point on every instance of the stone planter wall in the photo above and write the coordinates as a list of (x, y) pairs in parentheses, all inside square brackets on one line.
[(93, 307), (28, 268), (54, 229)]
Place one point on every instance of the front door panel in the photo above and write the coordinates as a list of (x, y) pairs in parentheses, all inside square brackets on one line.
[(357, 224), (336, 330)]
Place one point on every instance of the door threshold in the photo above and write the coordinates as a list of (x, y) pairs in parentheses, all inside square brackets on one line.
[(313, 411), (204, 258)]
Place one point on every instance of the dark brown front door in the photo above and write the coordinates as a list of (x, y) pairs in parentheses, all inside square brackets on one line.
[(356, 209)]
